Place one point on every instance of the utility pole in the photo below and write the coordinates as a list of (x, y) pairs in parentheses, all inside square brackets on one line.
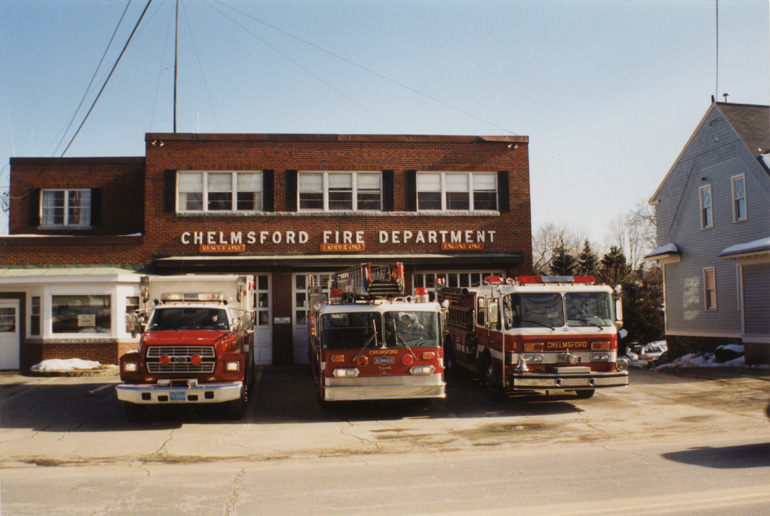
[(176, 53)]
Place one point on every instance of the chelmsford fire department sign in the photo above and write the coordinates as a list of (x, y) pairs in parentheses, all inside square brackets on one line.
[(335, 241)]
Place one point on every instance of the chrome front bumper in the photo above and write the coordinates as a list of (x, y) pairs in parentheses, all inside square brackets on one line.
[(566, 382), (151, 394), (384, 388)]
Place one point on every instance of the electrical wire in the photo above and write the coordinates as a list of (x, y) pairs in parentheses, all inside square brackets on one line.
[(107, 80), (93, 77), (373, 72)]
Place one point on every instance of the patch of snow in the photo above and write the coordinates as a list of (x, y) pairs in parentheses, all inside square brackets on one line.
[(738, 348), (71, 364), (702, 360)]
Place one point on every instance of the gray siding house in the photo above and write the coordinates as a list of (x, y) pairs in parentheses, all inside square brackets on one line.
[(713, 223)]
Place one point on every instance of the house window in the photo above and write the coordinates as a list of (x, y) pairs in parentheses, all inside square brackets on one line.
[(706, 210), (65, 208), (7, 320), (710, 288), (340, 191), (81, 314), (219, 191), (463, 191), (739, 198), (34, 316)]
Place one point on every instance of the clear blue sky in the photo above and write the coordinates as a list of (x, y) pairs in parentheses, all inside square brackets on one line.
[(608, 91)]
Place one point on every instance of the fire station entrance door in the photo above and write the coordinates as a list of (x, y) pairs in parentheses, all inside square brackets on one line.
[(9, 334), (300, 309), (263, 325)]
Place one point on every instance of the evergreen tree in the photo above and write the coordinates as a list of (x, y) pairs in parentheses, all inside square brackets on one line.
[(562, 263), (614, 270), (587, 262)]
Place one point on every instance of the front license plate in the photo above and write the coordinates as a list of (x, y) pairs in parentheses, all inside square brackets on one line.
[(178, 396)]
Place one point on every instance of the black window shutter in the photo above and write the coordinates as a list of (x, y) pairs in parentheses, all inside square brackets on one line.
[(503, 192), (34, 207), (169, 192), (388, 191), (410, 189), (96, 206), (291, 190), (268, 190)]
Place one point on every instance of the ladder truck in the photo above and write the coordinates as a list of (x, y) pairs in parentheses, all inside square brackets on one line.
[(370, 342), (547, 334)]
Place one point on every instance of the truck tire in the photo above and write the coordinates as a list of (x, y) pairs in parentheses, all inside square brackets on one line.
[(235, 409), (585, 393), (134, 412), (491, 385), (450, 368)]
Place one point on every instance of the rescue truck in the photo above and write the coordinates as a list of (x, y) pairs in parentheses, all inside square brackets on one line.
[(546, 334), (369, 342), (195, 347)]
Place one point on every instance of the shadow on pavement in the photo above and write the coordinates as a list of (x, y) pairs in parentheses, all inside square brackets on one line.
[(729, 457)]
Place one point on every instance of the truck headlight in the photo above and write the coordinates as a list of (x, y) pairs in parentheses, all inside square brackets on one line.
[(422, 370), (130, 367), (600, 357), (345, 373), (232, 366)]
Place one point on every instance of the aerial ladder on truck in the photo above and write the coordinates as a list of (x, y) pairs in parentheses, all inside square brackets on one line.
[(368, 341)]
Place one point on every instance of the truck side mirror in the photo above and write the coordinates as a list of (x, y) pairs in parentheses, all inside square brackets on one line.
[(618, 314)]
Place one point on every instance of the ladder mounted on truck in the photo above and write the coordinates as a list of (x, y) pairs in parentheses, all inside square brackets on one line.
[(371, 281)]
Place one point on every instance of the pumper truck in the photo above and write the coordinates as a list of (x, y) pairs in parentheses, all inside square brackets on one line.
[(536, 333)]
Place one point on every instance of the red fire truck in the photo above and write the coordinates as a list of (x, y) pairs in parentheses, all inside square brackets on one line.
[(536, 333), (196, 344), (369, 342)]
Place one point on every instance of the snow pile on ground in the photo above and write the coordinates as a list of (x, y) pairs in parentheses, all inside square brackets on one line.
[(71, 364), (709, 359)]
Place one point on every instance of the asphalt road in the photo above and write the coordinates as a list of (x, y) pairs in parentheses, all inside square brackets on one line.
[(687, 443)]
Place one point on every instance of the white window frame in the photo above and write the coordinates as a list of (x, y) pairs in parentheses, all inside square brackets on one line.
[(703, 208), (86, 207), (445, 189), (326, 189), (736, 216), (234, 190), (706, 303)]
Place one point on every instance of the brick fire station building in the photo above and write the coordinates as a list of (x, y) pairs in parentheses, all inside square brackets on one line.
[(283, 208)]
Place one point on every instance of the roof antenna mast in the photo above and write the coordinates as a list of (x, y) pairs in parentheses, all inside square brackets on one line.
[(716, 81), (176, 51)]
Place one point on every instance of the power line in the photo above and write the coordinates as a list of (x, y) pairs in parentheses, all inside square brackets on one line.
[(353, 63)]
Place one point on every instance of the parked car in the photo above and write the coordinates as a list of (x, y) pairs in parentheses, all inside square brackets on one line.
[(646, 352)]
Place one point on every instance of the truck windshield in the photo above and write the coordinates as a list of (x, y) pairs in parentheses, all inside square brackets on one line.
[(589, 309), (413, 329), (533, 310), (355, 330), (185, 318), (351, 330)]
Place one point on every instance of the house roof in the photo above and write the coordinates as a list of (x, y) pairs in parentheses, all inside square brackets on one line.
[(752, 123)]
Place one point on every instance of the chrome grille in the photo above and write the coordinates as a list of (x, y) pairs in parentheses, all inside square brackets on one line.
[(180, 359)]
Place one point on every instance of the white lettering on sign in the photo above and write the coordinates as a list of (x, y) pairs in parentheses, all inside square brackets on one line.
[(406, 236)]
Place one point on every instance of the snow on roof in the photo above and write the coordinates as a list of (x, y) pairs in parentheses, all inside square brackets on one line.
[(662, 250), (761, 246)]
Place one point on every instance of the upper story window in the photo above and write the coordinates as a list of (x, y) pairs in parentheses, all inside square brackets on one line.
[(739, 198), (457, 191), (340, 191), (70, 208), (710, 288), (706, 209), (219, 191)]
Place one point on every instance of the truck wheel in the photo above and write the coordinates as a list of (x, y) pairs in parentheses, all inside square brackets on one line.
[(450, 368), (234, 409), (585, 394), (133, 411), (493, 388)]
